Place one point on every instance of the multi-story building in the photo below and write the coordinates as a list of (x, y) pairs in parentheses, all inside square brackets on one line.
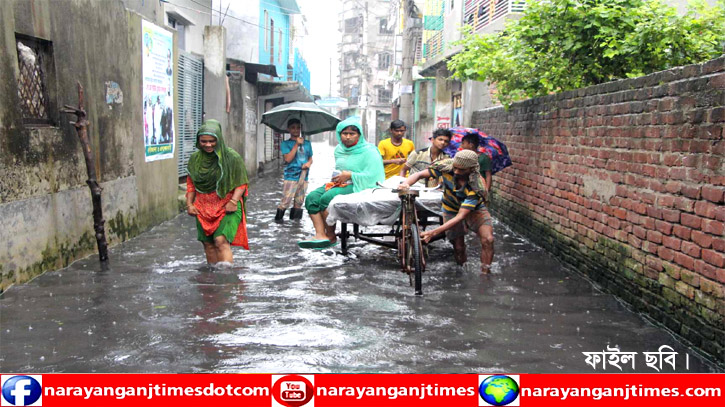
[(297, 69), (264, 38), (444, 102), (367, 56), (451, 102), (265, 32)]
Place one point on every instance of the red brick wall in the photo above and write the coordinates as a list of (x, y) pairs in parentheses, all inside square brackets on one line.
[(624, 181)]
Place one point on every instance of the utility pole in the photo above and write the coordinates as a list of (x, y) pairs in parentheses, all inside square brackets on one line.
[(406, 81)]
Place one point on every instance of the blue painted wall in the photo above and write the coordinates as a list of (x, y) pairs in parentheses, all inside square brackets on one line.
[(281, 22), (301, 73)]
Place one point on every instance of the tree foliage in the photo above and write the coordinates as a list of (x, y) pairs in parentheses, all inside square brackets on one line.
[(566, 44)]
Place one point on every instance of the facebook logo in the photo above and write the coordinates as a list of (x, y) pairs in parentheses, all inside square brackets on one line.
[(21, 390)]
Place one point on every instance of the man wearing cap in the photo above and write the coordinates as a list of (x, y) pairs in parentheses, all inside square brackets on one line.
[(463, 205)]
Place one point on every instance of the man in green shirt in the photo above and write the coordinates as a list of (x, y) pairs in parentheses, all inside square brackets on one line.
[(470, 142)]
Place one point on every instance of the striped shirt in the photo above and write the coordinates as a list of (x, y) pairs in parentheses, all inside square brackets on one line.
[(455, 198)]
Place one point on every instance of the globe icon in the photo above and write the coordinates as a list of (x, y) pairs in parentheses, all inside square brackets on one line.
[(499, 390)]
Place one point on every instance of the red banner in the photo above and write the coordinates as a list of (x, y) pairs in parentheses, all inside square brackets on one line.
[(322, 390)]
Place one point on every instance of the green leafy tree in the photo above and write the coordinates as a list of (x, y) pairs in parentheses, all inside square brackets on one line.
[(566, 44)]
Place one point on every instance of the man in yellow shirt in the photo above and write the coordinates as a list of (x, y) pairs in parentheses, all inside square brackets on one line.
[(395, 149)]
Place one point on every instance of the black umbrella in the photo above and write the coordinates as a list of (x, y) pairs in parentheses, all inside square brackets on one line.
[(314, 119)]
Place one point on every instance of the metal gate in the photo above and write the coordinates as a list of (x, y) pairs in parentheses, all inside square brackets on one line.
[(268, 143), (272, 139), (190, 88)]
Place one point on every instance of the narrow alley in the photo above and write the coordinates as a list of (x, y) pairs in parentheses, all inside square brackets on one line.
[(159, 308)]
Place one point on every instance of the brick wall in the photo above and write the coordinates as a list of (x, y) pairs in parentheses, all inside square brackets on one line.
[(624, 181)]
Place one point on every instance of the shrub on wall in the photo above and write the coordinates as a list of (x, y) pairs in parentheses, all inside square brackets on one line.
[(567, 44)]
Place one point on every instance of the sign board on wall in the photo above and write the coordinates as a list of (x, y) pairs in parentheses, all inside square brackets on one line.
[(158, 94), (443, 122)]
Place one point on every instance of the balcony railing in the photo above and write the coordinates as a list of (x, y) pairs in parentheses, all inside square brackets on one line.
[(480, 13), (433, 46)]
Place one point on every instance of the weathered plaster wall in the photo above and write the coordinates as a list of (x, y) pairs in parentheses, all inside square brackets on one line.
[(242, 118), (251, 118), (476, 96), (625, 182), (43, 194), (215, 88), (424, 112), (443, 100), (243, 40)]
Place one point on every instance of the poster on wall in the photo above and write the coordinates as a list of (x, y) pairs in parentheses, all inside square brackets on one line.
[(158, 92)]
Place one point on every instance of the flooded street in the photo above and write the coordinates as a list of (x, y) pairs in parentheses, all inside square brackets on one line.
[(159, 308)]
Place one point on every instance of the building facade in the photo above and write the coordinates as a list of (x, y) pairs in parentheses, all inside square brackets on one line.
[(455, 101), (263, 46), (367, 62), (43, 195), (44, 200)]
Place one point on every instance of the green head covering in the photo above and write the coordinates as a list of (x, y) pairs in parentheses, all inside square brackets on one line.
[(220, 171), (363, 159)]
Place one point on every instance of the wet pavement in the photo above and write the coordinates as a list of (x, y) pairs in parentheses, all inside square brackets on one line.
[(159, 308)]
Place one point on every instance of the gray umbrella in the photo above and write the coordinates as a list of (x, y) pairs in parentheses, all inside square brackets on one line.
[(314, 119)]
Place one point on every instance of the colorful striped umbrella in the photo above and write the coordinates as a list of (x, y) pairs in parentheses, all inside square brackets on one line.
[(495, 149)]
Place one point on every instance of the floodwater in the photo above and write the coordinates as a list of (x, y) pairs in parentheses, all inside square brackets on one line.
[(159, 308)]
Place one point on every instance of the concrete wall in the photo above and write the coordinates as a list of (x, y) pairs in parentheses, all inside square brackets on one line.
[(243, 38), (198, 12), (476, 96), (215, 76), (251, 118), (150, 10), (443, 100), (242, 118), (625, 182), (424, 112), (44, 200), (452, 22)]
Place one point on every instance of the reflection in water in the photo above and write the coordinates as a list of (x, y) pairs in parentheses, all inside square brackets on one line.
[(159, 308), (221, 291)]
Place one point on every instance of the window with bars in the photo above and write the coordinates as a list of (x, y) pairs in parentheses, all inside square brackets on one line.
[(383, 28), (180, 28), (349, 60), (35, 59), (384, 60), (266, 30), (352, 25), (271, 42), (384, 95)]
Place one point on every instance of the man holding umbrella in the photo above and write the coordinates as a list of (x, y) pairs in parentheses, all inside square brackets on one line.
[(297, 118), (297, 155)]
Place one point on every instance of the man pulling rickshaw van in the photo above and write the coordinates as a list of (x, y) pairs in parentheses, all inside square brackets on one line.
[(463, 205)]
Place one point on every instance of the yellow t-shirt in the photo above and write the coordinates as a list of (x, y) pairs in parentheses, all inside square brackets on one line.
[(390, 151)]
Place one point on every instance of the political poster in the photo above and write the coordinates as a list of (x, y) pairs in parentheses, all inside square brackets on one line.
[(158, 92)]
